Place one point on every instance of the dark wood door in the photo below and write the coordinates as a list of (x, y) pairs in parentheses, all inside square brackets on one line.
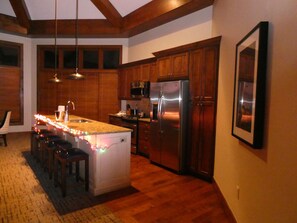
[(202, 138), (203, 91)]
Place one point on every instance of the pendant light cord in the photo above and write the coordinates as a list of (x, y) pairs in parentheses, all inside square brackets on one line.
[(56, 32), (76, 42)]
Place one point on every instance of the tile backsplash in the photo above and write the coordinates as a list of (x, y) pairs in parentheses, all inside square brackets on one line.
[(142, 105)]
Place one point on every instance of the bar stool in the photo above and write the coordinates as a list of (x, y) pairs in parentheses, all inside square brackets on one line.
[(35, 144), (44, 140), (65, 157), (49, 149)]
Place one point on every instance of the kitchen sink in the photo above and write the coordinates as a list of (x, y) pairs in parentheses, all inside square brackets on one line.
[(79, 120)]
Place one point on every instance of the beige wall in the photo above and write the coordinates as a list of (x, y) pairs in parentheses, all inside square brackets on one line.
[(267, 178), (188, 29)]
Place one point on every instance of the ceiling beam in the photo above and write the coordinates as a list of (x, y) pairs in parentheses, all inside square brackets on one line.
[(158, 12), (151, 15), (87, 28), (21, 12), (10, 24), (110, 13)]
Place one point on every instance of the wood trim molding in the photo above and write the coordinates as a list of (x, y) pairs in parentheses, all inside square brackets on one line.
[(226, 208), (191, 46)]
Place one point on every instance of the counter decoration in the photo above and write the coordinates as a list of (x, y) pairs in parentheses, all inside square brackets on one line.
[(76, 133)]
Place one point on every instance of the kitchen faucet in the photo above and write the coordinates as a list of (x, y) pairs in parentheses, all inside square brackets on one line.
[(66, 119)]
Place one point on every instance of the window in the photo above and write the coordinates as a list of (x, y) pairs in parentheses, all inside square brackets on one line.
[(11, 84), (69, 58), (9, 55), (111, 58), (49, 58), (90, 59)]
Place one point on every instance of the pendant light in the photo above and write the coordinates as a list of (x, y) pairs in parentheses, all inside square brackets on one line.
[(55, 79), (76, 75)]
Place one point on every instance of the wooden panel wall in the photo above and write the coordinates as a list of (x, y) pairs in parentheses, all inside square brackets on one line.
[(94, 97)]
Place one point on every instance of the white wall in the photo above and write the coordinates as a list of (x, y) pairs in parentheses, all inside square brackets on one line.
[(267, 178), (191, 28)]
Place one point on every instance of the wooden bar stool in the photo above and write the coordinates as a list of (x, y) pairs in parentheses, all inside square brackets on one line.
[(65, 157), (44, 140), (49, 150), (35, 143)]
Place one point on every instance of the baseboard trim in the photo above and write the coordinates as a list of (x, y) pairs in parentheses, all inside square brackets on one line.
[(224, 202)]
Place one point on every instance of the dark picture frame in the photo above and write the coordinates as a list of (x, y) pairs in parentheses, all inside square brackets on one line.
[(250, 86)]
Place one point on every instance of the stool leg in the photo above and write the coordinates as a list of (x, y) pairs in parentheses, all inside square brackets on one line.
[(87, 174), (63, 178), (49, 164), (77, 170), (56, 171)]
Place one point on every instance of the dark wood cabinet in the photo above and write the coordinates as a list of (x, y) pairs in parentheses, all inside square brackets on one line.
[(203, 91), (144, 138), (143, 70), (173, 67)]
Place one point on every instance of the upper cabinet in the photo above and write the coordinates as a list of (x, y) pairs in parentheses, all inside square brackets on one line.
[(144, 70), (173, 66)]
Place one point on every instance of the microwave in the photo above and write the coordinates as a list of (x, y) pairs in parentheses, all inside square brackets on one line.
[(140, 89)]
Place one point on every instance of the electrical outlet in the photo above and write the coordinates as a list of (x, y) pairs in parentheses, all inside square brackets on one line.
[(238, 191), (123, 139)]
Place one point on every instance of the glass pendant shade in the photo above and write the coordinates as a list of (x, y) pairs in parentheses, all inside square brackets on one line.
[(55, 79), (76, 75)]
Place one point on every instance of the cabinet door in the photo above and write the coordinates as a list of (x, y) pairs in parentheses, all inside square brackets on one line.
[(123, 86), (209, 87), (136, 73), (164, 67), (143, 138), (180, 63), (203, 139), (153, 73), (203, 77), (145, 72), (196, 73)]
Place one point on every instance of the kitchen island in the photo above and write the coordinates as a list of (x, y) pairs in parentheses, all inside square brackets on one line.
[(108, 147)]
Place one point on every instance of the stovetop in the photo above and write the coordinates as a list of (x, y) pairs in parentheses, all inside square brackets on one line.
[(130, 118)]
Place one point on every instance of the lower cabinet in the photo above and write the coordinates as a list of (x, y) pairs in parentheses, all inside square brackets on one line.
[(144, 138), (201, 159)]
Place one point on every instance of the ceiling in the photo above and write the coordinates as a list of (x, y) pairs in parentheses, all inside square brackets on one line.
[(96, 18)]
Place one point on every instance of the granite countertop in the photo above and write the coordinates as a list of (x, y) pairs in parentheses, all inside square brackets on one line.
[(90, 127)]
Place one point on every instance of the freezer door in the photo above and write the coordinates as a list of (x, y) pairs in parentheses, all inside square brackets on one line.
[(155, 138), (169, 123)]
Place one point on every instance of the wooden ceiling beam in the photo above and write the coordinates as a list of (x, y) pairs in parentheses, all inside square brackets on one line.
[(21, 12), (151, 15), (159, 12), (87, 28), (10, 24), (109, 11)]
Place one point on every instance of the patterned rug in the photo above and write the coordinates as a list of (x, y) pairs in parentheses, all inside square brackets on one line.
[(28, 195)]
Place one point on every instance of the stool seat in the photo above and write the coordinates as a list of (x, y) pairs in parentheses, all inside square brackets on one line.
[(49, 149), (64, 157)]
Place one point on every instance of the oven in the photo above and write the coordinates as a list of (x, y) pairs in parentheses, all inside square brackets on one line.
[(131, 122)]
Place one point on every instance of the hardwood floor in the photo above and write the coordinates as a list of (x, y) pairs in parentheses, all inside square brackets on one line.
[(156, 196), (164, 196)]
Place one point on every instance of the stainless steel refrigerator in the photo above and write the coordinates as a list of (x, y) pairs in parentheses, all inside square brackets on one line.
[(168, 115)]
